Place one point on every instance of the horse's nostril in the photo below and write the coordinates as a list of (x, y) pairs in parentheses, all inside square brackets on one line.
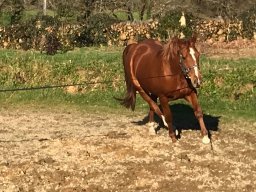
[(196, 83)]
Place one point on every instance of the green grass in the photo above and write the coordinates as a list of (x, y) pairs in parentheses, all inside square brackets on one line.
[(228, 88)]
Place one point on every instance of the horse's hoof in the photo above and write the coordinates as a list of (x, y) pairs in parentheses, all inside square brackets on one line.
[(151, 129), (206, 140), (174, 140)]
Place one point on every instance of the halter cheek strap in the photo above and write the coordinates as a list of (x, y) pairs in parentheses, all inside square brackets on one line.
[(185, 70)]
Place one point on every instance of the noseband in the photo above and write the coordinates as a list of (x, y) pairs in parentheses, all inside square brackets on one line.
[(185, 70)]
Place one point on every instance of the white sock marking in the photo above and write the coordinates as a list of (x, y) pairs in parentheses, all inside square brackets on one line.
[(163, 118), (206, 139), (176, 132)]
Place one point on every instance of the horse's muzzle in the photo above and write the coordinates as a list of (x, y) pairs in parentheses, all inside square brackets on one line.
[(196, 83)]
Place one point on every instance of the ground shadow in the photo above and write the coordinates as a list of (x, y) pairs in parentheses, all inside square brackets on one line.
[(184, 119)]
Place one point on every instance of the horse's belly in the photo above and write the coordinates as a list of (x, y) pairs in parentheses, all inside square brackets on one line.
[(171, 87)]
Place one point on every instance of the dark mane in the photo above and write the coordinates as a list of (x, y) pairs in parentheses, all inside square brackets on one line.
[(170, 49), (166, 52)]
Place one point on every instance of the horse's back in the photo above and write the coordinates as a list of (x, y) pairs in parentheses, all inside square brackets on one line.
[(149, 59), (144, 59)]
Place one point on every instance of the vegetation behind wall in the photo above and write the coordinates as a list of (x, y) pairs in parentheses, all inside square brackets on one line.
[(67, 28)]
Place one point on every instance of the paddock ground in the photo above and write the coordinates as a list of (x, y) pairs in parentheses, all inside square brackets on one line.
[(69, 150)]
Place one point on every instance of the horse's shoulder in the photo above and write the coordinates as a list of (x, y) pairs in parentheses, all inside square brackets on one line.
[(148, 44), (130, 47)]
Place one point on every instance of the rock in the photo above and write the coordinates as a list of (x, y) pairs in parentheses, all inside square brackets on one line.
[(220, 32), (72, 89), (221, 38), (122, 37)]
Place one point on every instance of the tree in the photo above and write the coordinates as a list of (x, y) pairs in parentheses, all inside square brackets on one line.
[(202, 8), (44, 6)]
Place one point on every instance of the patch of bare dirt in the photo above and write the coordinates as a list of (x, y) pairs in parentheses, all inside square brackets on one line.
[(241, 48), (50, 150)]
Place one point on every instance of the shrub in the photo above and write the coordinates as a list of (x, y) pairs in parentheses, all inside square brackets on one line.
[(249, 22), (94, 31), (45, 33), (169, 24)]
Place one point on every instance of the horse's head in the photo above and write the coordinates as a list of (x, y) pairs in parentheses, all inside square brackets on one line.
[(188, 56)]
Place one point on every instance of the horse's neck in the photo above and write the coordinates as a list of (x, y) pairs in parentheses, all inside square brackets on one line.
[(174, 65)]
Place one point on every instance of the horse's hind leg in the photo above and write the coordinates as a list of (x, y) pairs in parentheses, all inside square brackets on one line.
[(151, 111), (167, 118), (152, 104), (192, 99), (153, 108), (151, 114)]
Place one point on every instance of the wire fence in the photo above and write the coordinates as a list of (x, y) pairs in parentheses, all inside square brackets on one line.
[(75, 84), (52, 86)]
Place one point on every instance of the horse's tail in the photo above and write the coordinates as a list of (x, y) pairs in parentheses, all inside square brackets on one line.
[(130, 97)]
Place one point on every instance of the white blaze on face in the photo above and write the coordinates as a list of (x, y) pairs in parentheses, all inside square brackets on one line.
[(192, 53)]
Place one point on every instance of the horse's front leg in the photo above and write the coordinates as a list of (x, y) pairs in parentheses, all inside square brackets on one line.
[(192, 99), (167, 117)]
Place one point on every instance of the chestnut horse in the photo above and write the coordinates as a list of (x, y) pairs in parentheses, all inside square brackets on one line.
[(167, 72)]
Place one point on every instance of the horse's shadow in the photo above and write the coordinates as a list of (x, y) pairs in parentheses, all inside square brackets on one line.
[(184, 119)]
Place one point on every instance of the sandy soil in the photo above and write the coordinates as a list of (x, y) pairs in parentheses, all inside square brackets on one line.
[(67, 150)]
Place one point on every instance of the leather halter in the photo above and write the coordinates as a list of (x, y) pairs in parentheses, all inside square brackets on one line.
[(185, 70)]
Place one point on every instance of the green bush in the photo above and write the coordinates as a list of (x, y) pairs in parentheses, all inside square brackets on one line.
[(169, 24), (45, 33), (94, 32)]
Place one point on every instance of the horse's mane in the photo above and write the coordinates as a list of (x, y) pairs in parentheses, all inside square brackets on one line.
[(170, 49)]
